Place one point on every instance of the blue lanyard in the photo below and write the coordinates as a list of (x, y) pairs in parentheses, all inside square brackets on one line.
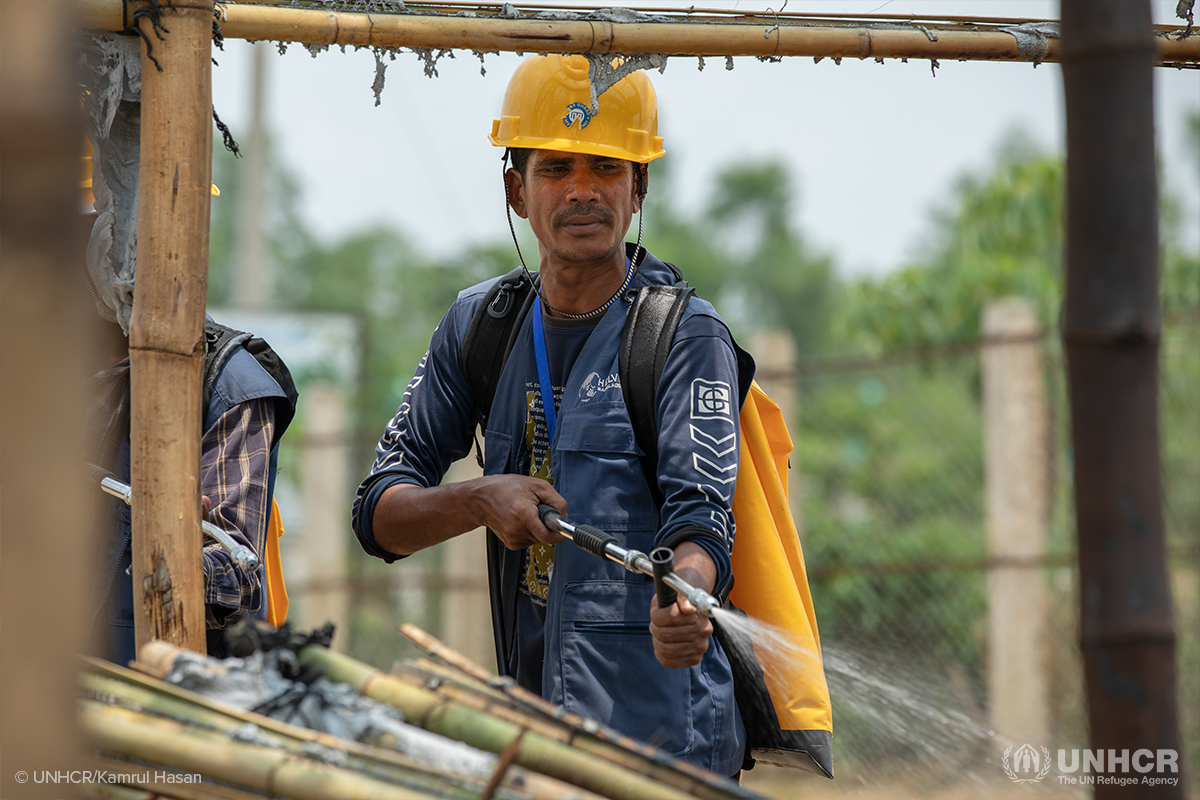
[(543, 368), (543, 359)]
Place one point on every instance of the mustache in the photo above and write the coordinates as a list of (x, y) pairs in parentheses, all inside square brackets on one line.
[(561, 218)]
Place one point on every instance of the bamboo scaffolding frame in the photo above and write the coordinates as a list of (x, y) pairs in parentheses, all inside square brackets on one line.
[(713, 39), (453, 719)]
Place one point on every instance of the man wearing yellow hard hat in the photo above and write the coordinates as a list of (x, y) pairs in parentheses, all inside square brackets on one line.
[(580, 631)]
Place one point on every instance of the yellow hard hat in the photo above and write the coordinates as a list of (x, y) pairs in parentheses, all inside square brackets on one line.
[(548, 106)]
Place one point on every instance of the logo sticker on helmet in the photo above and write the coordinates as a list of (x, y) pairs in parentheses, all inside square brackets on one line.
[(580, 112)]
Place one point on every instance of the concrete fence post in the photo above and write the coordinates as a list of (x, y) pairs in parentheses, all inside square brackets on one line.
[(323, 474), (1016, 470), (774, 354)]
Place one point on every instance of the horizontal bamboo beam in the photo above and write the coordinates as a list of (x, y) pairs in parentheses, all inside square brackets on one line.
[(325, 27)]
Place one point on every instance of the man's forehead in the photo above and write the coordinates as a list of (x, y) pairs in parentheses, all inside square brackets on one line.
[(563, 157)]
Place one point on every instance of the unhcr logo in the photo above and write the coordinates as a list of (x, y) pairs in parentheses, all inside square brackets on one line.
[(578, 112), (1028, 764)]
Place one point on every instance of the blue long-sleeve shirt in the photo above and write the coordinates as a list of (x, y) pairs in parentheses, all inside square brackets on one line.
[(554, 602)]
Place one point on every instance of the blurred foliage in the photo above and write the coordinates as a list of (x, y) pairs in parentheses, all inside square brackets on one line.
[(1001, 235), (743, 252)]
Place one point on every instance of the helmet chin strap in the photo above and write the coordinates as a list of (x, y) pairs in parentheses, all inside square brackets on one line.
[(638, 253)]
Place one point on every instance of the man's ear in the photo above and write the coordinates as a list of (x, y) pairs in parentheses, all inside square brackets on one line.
[(641, 185), (514, 191)]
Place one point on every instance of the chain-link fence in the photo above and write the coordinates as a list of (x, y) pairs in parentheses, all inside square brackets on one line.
[(891, 453)]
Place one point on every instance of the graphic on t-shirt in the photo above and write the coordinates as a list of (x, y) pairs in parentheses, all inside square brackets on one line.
[(538, 558)]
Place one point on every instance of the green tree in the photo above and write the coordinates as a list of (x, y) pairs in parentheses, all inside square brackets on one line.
[(744, 254), (1002, 235)]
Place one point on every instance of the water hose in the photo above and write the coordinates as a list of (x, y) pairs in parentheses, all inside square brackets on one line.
[(244, 556), (604, 545)]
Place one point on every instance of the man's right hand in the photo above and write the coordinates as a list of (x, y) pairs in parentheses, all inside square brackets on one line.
[(510, 509), (410, 518)]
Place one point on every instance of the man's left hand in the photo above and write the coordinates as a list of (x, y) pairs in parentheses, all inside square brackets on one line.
[(680, 632)]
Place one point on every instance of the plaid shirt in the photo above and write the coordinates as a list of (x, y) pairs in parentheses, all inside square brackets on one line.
[(234, 474)]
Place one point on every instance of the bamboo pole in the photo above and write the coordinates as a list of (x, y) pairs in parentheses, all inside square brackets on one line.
[(359, 759), (472, 686), (178, 791), (211, 754), (44, 545), (134, 690), (119, 791), (1111, 332), (487, 732), (573, 731), (166, 339), (321, 26)]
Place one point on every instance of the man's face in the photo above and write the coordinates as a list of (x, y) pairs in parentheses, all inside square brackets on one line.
[(579, 206)]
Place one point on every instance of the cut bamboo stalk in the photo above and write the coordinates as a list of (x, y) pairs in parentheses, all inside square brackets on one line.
[(320, 26), (142, 698), (119, 791), (575, 732), (135, 690), (185, 747), (166, 339), (211, 791), (474, 686), (442, 715)]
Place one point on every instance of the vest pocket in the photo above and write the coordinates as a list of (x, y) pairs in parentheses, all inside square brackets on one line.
[(609, 671), (597, 467)]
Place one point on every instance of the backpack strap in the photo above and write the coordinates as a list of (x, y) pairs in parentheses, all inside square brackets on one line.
[(490, 338), (645, 343), (269, 360), (220, 341)]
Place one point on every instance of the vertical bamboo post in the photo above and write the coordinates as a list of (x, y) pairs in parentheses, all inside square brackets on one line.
[(166, 339), (1111, 332), (1015, 463), (43, 313)]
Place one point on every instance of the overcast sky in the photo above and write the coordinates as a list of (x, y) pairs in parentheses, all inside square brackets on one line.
[(873, 148)]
